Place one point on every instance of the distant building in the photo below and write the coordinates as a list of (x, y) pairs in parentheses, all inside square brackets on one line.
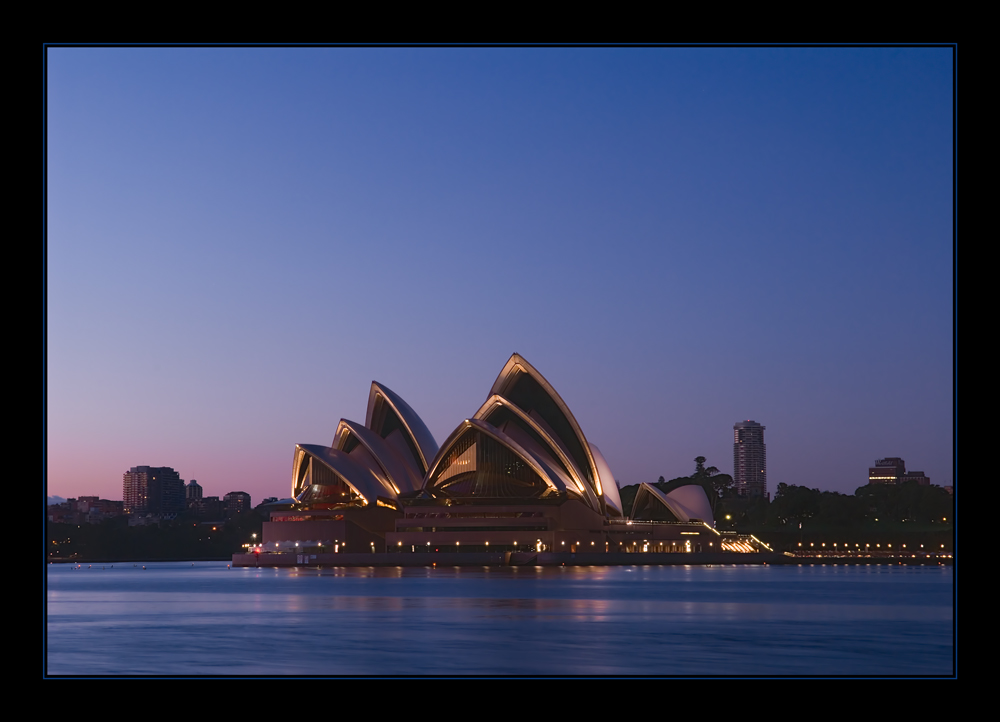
[(94, 510), (85, 510), (237, 502), (208, 507), (917, 476), (889, 470), (892, 470), (192, 492), (152, 491), (63, 513), (749, 459)]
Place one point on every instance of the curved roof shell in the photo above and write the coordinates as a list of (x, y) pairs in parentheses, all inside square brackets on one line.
[(521, 383), (509, 418), (694, 501), (317, 470), (612, 497), (480, 461), (388, 414), (685, 503), (522, 443), (371, 450)]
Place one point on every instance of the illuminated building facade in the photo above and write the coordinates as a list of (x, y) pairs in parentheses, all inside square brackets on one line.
[(892, 470), (749, 459), (889, 470), (517, 475), (152, 491)]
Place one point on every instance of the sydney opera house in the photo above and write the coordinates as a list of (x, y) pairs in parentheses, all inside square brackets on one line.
[(518, 475)]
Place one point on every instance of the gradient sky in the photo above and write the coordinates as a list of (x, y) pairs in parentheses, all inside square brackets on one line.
[(240, 240)]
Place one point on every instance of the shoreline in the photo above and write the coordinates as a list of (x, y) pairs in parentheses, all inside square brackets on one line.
[(545, 559), (556, 559)]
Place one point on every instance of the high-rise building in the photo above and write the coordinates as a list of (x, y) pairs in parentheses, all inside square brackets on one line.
[(192, 491), (152, 490), (749, 459), (237, 502)]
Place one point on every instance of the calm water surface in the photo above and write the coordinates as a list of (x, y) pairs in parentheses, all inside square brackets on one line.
[(184, 619)]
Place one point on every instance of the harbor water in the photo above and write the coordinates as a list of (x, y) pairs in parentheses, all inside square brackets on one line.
[(209, 619)]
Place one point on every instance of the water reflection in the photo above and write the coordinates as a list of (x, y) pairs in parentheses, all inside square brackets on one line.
[(208, 619)]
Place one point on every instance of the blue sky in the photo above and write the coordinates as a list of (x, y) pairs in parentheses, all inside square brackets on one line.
[(239, 240)]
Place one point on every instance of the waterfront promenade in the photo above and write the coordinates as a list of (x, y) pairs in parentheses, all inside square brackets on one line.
[(556, 559)]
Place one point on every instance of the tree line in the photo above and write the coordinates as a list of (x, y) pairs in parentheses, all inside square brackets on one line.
[(114, 540), (794, 505)]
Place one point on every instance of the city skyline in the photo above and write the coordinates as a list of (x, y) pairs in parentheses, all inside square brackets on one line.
[(238, 240)]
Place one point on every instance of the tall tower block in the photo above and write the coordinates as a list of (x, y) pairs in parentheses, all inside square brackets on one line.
[(749, 459)]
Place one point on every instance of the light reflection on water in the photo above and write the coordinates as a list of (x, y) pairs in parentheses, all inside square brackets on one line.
[(179, 619)]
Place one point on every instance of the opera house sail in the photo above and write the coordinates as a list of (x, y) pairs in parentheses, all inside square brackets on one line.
[(517, 475)]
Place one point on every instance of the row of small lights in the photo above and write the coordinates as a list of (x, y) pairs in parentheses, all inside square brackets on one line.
[(261, 546), (877, 546), (644, 541), (539, 541)]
